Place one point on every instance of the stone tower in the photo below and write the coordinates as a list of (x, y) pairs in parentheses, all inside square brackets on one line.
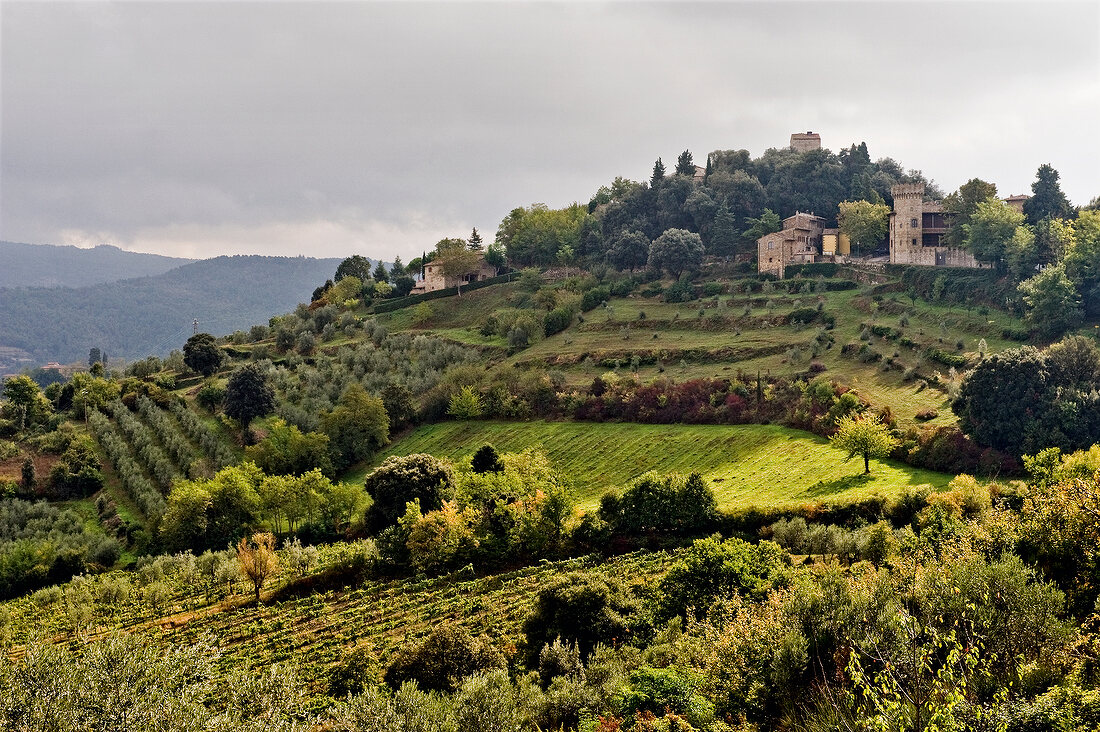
[(804, 142), (906, 229)]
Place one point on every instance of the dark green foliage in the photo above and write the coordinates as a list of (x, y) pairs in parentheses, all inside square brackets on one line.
[(402, 285), (990, 405), (947, 359), (803, 315), (665, 691), (595, 297), (557, 320), (712, 569), (399, 480), (354, 266), (1047, 199), (356, 671), (629, 250), (28, 477), (670, 504), (658, 175), (582, 608), (684, 164), (446, 657), (398, 403), (676, 251), (486, 460), (380, 274), (681, 291), (248, 394), (813, 269)]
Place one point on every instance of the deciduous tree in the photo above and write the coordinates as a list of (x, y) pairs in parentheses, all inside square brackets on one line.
[(202, 354), (1053, 303), (257, 559), (248, 395), (864, 435), (675, 251), (357, 426), (863, 222)]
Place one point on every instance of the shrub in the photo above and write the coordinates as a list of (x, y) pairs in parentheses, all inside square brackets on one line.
[(926, 414), (680, 291), (669, 504), (557, 320), (803, 315), (447, 656), (356, 671), (581, 608), (559, 659), (714, 568), (594, 297)]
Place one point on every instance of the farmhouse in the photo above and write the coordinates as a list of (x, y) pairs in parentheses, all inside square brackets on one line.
[(434, 278)]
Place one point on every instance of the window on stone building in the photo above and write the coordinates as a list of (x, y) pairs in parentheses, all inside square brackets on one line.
[(914, 242), (771, 245), (913, 223)]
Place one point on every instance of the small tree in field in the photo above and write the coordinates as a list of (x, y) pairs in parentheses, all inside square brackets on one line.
[(257, 559), (864, 435)]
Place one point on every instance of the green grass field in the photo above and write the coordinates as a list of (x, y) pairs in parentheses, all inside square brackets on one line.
[(747, 464)]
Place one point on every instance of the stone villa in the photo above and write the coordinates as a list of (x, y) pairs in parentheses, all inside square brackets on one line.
[(434, 279)]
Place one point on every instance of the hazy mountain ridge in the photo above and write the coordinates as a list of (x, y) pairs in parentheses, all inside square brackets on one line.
[(44, 265), (137, 317)]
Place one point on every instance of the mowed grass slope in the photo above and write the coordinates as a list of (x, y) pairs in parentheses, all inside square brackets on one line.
[(749, 465)]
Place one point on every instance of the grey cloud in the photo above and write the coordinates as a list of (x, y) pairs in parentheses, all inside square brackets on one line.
[(396, 121)]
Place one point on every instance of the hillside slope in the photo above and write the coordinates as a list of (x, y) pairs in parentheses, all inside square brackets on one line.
[(42, 265), (152, 315)]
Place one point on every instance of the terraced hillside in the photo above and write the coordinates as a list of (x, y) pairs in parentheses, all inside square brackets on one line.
[(893, 350)]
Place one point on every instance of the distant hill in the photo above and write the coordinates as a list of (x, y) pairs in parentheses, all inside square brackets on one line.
[(42, 265), (145, 316)]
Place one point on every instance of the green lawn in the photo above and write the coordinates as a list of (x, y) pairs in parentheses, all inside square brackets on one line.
[(747, 464)]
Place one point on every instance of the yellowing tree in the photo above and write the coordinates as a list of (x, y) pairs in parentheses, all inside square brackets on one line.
[(864, 435), (257, 559)]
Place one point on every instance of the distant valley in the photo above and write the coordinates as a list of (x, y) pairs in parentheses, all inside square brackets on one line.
[(140, 315)]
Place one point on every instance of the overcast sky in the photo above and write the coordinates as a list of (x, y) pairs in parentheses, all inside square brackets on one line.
[(327, 129)]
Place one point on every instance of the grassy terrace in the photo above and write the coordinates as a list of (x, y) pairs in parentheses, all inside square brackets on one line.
[(747, 464)]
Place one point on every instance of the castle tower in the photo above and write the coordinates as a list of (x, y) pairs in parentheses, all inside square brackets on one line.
[(906, 223), (805, 142)]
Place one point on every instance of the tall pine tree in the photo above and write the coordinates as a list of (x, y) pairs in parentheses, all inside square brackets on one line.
[(658, 174), (684, 164), (474, 241), (1047, 199)]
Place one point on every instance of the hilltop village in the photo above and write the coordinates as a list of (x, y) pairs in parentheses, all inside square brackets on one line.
[(915, 232)]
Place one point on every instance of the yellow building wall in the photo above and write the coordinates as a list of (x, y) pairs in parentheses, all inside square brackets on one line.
[(844, 246), (828, 244)]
